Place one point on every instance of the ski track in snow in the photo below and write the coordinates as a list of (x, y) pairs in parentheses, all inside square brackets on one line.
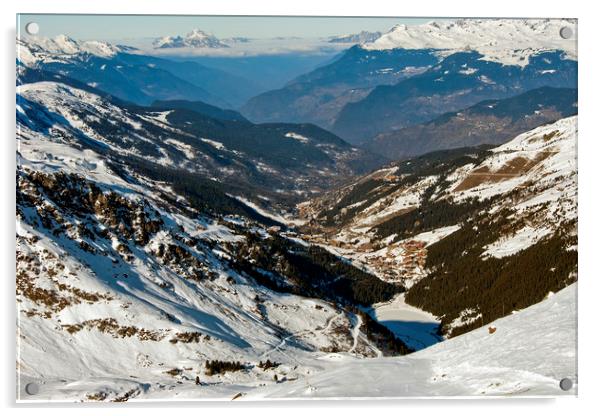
[(355, 331), (528, 354)]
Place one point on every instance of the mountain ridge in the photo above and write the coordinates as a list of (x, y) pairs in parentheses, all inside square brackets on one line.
[(488, 122), (458, 81), (126, 73), (507, 41), (506, 208)]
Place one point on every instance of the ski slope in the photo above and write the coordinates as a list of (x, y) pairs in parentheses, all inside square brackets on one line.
[(527, 355)]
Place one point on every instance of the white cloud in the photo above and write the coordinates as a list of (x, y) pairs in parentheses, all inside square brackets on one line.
[(253, 47)]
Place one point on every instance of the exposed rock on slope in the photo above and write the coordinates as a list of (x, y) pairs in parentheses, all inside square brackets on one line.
[(133, 277), (276, 161)]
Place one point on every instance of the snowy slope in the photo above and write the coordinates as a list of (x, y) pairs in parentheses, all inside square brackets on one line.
[(533, 175), (32, 50), (103, 314), (154, 136), (500, 40), (123, 286), (544, 160), (527, 355), (503, 209)]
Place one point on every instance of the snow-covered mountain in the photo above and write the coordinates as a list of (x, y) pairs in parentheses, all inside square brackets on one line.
[(510, 208), (177, 250), (194, 39), (508, 41), (320, 95), (527, 355), (128, 287), (273, 161), (36, 50), (137, 272), (126, 73), (356, 38), (460, 80), (414, 74)]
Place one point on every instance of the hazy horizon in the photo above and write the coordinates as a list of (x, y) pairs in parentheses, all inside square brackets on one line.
[(94, 27)]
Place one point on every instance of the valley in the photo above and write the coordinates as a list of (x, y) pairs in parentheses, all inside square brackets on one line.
[(402, 216)]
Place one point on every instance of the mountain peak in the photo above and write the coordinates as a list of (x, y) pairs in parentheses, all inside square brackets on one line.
[(197, 33), (196, 38)]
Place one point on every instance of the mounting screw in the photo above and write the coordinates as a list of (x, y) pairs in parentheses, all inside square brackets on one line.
[(566, 32), (32, 389), (566, 384), (32, 28)]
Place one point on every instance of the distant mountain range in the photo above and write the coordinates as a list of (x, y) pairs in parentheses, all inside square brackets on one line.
[(361, 37), (488, 122), (132, 76), (274, 160), (320, 95), (508, 41), (458, 81), (413, 74)]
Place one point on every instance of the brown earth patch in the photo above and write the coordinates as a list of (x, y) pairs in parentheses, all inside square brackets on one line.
[(514, 167), (31, 268), (110, 326)]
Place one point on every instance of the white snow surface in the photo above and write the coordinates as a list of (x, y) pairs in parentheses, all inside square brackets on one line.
[(216, 144), (297, 136), (431, 237), (521, 240), (557, 155), (527, 355), (34, 49), (501, 40), (403, 199), (162, 116)]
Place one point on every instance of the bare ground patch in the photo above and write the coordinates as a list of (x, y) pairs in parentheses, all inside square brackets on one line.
[(513, 168)]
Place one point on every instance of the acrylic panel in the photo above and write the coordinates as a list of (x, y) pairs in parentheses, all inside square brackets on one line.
[(249, 208)]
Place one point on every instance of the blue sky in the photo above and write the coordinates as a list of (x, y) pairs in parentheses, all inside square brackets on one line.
[(114, 27)]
